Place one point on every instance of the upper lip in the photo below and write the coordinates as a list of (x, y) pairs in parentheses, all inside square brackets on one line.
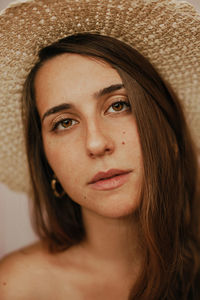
[(110, 173)]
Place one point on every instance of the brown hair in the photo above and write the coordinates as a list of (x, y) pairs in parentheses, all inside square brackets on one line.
[(169, 209)]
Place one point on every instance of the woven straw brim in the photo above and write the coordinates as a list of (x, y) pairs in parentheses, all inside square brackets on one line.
[(167, 32)]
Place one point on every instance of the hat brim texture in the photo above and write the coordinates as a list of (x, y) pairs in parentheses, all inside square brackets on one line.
[(167, 32)]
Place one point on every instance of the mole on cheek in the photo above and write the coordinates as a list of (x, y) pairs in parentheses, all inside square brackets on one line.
[(124, 132), (123, 143)]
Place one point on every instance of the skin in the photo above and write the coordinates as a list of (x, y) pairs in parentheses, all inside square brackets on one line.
[(95, 140), (100, 137)]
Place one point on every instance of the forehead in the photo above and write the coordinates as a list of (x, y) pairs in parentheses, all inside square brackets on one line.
[(75, 68), (70, 77)]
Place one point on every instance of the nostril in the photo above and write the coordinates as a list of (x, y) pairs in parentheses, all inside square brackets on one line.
[(93, 154)]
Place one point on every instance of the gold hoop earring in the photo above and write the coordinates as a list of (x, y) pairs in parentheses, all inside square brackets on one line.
[(57, 189)]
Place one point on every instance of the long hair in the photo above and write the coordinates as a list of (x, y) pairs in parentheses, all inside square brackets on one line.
[(169, 209)]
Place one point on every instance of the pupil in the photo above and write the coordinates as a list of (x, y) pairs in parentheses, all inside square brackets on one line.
[(118, 106), (66, 123)]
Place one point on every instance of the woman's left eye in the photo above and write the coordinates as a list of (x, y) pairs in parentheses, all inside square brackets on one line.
[(119, 106)]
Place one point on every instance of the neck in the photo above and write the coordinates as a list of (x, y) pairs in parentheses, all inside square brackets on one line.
[(113, 242)]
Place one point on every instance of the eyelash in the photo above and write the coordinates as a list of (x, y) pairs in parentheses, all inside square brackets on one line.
[(56, 124)]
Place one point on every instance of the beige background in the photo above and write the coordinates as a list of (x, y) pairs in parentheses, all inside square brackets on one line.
[(15, 228)]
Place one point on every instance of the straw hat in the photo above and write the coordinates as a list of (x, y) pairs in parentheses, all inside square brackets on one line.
[(167, 32)]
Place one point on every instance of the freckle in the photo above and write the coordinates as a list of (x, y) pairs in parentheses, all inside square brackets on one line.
[(4, 283), (123, 143), (124, 132)]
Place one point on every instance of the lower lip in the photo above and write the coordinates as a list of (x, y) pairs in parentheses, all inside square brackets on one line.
[(110, 183)]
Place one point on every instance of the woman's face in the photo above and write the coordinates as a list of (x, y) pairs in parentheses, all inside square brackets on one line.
[(89, 134)]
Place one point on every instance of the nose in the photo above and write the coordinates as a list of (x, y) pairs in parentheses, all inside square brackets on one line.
[(99, 141)]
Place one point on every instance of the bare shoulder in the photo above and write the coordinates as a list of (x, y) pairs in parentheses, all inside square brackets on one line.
[(19, 273), (34, 273)]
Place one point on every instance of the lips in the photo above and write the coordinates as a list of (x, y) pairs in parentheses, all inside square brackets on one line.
[(110, 180), (109, 174)]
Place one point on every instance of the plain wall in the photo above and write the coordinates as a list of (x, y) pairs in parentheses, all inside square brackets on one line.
[(15, 227)]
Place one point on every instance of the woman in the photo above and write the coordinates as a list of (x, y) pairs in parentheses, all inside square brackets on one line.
[(114, 179)]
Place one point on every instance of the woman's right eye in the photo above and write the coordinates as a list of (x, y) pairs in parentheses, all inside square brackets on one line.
[(64, 124)]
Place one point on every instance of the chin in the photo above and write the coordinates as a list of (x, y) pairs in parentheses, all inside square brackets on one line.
[(118, 209)]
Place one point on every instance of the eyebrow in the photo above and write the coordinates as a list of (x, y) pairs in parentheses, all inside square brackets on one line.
[(108, 90), (65, 106)]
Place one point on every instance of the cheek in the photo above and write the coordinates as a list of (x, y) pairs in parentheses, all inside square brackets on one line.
[(130, 143), (64, 165), (130, 137), (61, 157), (123, 141)]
